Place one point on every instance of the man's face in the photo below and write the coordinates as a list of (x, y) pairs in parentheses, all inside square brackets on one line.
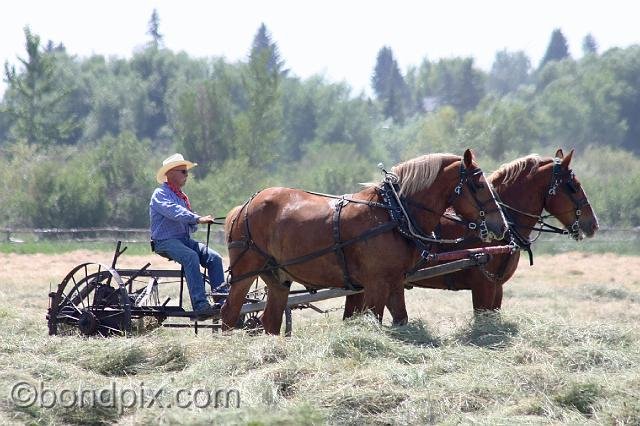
[(178, 176)]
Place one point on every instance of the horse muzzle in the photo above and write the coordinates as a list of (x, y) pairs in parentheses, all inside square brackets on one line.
[(588, 228)]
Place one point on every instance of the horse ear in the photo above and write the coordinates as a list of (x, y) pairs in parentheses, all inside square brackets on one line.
[(468, 158), (566, 160), (559, 153)]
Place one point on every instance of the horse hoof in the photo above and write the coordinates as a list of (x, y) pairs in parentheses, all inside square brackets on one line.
[(401, 322)]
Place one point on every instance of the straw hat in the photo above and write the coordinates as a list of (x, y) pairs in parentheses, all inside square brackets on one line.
[(174, 161)]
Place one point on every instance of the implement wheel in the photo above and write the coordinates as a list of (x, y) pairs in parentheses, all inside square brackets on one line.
[(251, 321), (92, 300)]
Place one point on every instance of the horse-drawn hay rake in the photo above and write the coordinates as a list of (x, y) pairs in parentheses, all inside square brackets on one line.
[(97, 299)]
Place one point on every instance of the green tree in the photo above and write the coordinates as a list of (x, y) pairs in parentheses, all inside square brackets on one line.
[(154, 29), (115, 90), (154, 69), (66, 193), (343, 119), (389, 86), (624, 66), (557, 49), (580, 106), (260, 127), (457, 83), (435, 132), (508, 72), (122, 163), (34, 101), (300, 112), (589, 45), (203, 124), (419, 87), (502, 128)]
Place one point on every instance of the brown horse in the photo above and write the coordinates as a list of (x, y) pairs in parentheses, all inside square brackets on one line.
[(526, 187), (285, 235)]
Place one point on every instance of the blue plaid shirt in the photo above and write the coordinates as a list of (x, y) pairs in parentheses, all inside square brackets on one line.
[(170, 217)]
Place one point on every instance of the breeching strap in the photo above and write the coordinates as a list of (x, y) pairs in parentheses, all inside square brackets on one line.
[(348, 282)]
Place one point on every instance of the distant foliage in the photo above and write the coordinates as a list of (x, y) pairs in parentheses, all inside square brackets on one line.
[(455, 82), (35, 102), (589, 45), (557, 50), (510, 70), (80, 139), (389, 86), (611, 179)]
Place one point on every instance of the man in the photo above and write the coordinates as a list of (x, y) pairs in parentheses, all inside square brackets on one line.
[(172, 223)]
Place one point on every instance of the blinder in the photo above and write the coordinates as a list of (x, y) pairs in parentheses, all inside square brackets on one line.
[(467, 179), (571, 188)]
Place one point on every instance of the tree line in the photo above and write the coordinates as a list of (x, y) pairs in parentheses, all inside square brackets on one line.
[(80, 139)]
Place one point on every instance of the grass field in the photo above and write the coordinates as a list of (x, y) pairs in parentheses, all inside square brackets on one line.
[(564, 351)]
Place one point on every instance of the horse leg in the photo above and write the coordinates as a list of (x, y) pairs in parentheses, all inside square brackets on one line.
[(354, 303), (277, 297), (396, 305), (483, 296), (230, 311), (497, 300), (375, 298)]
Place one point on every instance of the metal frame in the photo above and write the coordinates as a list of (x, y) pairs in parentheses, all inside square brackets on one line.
[(67, 304)]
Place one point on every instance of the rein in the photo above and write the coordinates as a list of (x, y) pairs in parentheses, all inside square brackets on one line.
[(570, 189), (540, 220)]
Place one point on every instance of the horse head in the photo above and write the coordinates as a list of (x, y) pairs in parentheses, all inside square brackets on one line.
[(442, 180), (566, 200), (474, 200)]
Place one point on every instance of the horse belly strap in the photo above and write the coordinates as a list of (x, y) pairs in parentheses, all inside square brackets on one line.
[(342, 261)]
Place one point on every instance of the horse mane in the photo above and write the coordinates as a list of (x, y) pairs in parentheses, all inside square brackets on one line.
[(509, 172), (420, 172)]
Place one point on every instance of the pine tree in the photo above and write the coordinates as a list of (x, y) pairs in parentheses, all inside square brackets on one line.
[(557, 49), (154, 29), (389, 86), (382, 73), (33, 100), (589, 45), (260, 128), (262, 44)]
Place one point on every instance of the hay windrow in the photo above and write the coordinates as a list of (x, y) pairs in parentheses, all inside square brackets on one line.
[(563, 350)]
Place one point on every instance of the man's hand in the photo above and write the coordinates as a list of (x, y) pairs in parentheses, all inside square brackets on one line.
[(205, 219)]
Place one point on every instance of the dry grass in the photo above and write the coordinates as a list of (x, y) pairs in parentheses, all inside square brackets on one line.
[(565, 350)]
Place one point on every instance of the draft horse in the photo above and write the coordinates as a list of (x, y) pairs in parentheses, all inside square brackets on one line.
[(525, 187), (353, 241)]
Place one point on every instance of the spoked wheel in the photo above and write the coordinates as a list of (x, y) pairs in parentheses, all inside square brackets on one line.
[(93, 300), (251, 321)]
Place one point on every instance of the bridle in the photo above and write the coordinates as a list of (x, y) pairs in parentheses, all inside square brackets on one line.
[(467, 179), (411, 231), (560, 181), (566, 182)]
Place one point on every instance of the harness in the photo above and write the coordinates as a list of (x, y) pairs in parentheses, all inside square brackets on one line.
[(400, 219), (560, 181)]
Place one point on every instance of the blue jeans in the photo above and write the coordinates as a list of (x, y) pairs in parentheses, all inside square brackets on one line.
[(191, 255)]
